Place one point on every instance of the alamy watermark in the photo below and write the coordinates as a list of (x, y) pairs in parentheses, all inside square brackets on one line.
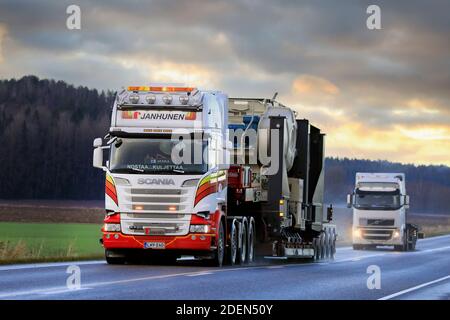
[(373, 21), (374, 280), (73, 281), (73, 21)]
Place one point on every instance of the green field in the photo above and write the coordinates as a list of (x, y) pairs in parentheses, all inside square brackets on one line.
[(26, 242)]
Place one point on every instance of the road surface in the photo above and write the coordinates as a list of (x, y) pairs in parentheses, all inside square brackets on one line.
[(423, 274)]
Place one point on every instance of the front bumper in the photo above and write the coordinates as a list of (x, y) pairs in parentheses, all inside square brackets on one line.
[(189, 242), (377, 236)]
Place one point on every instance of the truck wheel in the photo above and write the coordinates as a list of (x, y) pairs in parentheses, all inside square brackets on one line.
[(315, 247), (322, 246), (251, 241), (357, 247), (243, 243), (114, 258), (219, 253), (326, 247), (330, 245), (333, 244), (234, 242)]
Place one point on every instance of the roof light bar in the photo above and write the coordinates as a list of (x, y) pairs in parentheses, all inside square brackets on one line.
[(161, 89)]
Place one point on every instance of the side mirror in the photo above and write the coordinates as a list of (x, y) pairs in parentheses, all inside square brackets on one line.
[(406, 201), (349, 200), (98, 142), (97, 159)]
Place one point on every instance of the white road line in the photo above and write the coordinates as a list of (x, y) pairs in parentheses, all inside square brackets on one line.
[(414, 288), (198, 274), (61, 291), (49, 265)]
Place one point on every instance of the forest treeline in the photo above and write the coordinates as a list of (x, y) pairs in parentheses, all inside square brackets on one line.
[(46, 133)]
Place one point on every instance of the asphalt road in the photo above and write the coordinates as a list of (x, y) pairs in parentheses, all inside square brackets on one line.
[(423, 274)]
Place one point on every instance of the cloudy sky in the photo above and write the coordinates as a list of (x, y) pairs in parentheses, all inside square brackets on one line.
[(378, 94)]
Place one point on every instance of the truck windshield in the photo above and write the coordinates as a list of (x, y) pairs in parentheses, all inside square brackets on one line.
[(153, 156), (370, 200)]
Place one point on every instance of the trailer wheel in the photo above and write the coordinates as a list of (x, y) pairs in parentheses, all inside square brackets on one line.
[(316, 249), (333, 244), (112, 257), (234, 242), (251, 241), (322, 246), (329, 244), (243, 242), (326, 247)]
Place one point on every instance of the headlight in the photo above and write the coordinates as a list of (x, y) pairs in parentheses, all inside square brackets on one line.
[(190, 183), (112, 227), (356, 233), (396, 234), (200, 228)]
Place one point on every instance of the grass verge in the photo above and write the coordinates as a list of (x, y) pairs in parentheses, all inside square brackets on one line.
[(37, 242)]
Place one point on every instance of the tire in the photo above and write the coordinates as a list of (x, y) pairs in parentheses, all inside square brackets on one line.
[(322, 246), (251, 241), (357, 247), (325, 245), (112, 257), (243, 234), (315, 247), (219, 253), (333, 245), (330, 245), (233, 245)]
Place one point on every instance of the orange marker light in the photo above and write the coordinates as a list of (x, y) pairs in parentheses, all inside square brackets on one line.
[(138, 208), (161, 89), (172, 208)]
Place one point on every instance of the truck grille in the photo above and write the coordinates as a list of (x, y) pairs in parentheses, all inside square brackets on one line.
[(157, 201), (151, 216), (376, 222), (155, 228), (374, 234), (157, 191)]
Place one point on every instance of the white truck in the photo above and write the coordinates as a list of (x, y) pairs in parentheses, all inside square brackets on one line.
[(380, 211), (159, 207)]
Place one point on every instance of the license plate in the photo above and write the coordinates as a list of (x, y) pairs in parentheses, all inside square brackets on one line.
[(154, 245)]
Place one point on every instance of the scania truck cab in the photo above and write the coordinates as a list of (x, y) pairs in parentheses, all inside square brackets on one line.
[(380, 210), (152, 200)]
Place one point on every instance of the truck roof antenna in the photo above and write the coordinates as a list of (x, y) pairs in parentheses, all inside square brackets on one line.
[(275, 96)]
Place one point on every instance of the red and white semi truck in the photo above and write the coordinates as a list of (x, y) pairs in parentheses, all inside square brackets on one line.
[(193, 172)]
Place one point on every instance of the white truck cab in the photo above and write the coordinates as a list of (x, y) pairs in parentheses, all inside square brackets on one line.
[(380, 206)]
